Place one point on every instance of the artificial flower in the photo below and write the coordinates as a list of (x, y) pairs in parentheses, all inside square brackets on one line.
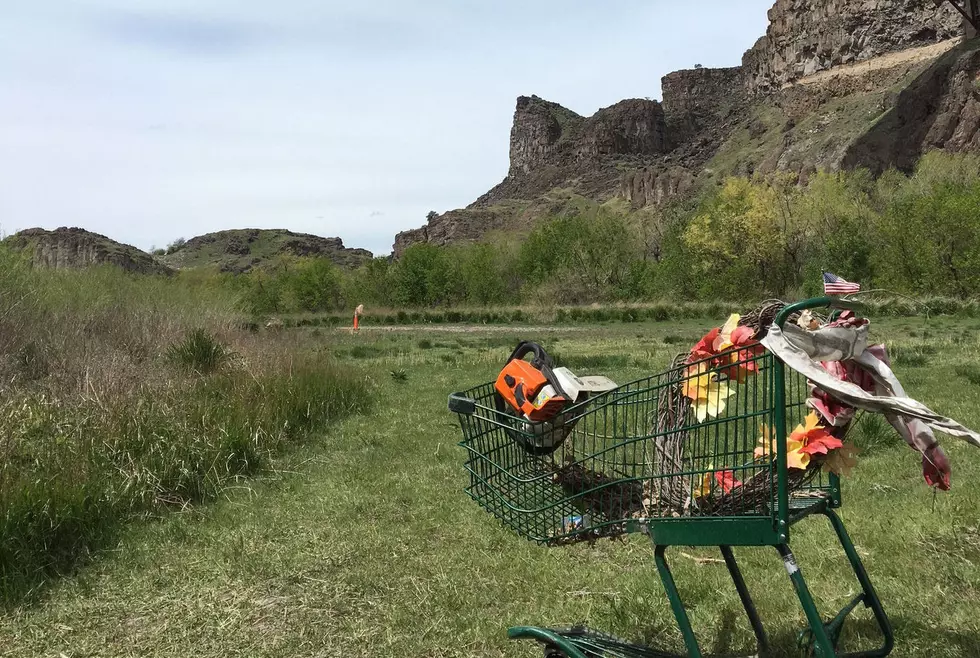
[(813, 437), (705, 347), (733, 345), (798, 455), (841, 461), (795, 456), (709, 395), (767, 442), (724, 338), (743, 355), (725, 480)]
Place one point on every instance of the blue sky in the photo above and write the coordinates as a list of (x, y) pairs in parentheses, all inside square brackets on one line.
[(148, 120)]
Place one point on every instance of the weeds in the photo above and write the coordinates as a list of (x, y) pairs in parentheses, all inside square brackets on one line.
[(100, 422), (914, 356)]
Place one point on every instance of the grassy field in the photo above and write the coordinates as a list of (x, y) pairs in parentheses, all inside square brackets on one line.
[(362, 543)]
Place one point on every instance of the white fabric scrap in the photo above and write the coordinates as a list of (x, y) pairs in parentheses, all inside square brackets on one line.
[(801, 350)]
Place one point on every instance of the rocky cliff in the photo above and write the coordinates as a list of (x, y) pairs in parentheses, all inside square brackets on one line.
[(66, 248), (698, 102), (808, 36), (940, 109), (547, 134), (833, 83)]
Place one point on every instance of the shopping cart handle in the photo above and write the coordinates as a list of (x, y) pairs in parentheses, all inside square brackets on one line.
[(816, 302), (460, 404)]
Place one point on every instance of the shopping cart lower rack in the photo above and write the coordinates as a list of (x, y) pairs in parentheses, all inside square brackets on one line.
[(687, 457)]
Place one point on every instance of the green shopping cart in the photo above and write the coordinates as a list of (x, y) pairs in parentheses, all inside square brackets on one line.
[(687, 457)]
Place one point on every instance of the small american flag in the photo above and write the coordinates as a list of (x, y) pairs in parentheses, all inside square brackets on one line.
[(834, 285)]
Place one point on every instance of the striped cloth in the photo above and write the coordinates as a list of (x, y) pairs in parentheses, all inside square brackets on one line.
[(834, 285)]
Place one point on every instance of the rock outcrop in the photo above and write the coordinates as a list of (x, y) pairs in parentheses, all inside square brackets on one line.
[(551, 145), (463, 225), (240, 250), (69, 248), (697, 102), (807, 36), (547, 134), (655, 186), (939, 110)]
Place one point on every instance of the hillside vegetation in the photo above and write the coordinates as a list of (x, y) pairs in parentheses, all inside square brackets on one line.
[(241, 250), (746, 238)]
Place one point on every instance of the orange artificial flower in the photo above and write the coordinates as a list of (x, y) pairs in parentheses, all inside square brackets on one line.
[(814, 437)]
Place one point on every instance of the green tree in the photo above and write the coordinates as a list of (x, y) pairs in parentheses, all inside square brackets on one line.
[(315, 285), (425, 276), (746, 240)]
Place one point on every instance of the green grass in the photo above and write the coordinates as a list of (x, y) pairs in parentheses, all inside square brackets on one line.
[(623, 313), (362, 543), (124, 397)]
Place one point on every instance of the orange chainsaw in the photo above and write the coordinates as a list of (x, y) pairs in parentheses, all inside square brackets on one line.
[(530, 387)]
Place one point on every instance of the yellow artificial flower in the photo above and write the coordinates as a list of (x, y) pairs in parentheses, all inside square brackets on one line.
[(709, 395), (724, 340), (795, 457), (767, 443), (704, 490)]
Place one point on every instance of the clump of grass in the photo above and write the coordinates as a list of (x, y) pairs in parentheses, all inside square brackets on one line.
[(201, 351), (872, 434), (425, 344), (366, 352), (914, 356), (970, 373)]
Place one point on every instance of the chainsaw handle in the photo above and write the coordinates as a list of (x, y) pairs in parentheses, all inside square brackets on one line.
[(816, 302), (525, 347)]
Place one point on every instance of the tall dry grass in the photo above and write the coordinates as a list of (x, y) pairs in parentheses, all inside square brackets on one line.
[(123, 395)]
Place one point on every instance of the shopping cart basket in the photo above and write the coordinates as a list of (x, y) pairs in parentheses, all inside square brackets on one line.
[(687, 457)]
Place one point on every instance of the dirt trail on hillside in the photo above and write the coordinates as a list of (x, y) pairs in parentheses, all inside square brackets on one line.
[(883, 62)]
